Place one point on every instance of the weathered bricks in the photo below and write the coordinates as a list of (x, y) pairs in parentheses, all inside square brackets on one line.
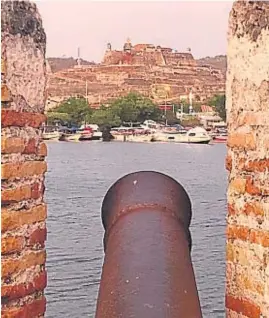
[(33, 309), (23, 212), (20, 145), (23, 170), (243, 306), (12, 145), (247, 161), (12, 244), (42, 149), (21, 119), (38, 236), (15, 291), (244, 141), (15, 219), (24, 261), (247, 234), (24, 192)]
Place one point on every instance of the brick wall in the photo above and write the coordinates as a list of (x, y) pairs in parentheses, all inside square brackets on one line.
[(247, 271), (23, 209)]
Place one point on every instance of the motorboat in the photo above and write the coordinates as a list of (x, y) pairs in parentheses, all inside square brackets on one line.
[(85, 133), (195, 135), (51, 133)]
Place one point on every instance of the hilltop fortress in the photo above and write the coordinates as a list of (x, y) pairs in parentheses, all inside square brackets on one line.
[(147, 54), (159, 73)]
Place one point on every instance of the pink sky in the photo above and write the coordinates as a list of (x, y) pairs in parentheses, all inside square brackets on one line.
[(90, 25)]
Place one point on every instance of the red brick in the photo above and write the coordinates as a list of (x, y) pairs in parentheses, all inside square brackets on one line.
[(245, 141), (25, 192), (23, 170), (42, 149), (259, 237), (257, 165), (31, 146), (11, 292), (228, 163), (16, 194), (11, 244), (11, 265), (21, 119), (243, 233), (11, 220), (253, 188), (243, 306), (39, 236), (238, 185), (254, 208), (250, 208), (37, 190), (231, 209), (237, 232), (29, 310), (12, 145)]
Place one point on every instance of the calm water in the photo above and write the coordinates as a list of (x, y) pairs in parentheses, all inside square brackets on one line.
[(79, 174)]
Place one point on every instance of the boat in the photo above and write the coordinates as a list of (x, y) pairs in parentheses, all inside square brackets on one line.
[(220, 138), (195, 135), (220, 135), (85, 134), (51, 133), (97, 134), (69, 135)]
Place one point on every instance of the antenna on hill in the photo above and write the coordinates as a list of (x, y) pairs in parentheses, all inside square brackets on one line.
[(79, 60)]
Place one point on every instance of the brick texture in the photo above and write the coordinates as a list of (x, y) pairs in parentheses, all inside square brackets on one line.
[(247, 161), (23, 215)]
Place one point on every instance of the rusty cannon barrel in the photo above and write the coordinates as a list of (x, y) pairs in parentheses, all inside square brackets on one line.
[(147, 270)]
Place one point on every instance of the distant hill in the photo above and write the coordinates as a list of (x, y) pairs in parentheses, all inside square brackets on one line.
[(60, 63), (218, 62)]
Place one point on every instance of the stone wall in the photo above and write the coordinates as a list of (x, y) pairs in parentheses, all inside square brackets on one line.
[(247, 91), (23, 166)]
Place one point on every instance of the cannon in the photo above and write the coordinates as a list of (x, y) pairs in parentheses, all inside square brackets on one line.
[(147, 270)]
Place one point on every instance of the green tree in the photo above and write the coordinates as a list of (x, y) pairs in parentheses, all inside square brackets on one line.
[(105, 117), (77, 109), (135, 107), (218, 102), (53, 117)]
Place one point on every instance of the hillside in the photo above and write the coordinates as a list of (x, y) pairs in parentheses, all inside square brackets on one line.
[(218, 62), (156, 72), (60, 63)]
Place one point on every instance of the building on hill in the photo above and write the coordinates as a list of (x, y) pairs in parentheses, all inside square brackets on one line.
[(147, 54)]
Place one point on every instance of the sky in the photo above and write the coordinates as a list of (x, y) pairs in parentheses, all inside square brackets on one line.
[(90, 25)]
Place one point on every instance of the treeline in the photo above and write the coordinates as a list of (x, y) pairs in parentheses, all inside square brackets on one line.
[(131, 108)]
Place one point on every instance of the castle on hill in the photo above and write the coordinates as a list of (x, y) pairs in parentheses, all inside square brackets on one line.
[(147, 54)]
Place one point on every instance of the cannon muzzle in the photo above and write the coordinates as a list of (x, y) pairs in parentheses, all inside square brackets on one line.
[(147, 270)]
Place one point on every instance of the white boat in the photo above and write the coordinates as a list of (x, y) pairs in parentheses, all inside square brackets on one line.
[(50, 133), (195, 135)]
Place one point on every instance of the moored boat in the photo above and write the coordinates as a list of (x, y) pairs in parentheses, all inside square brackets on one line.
[(221, 138), (70, 136), (195, 135), (85, 134), (51, 133)]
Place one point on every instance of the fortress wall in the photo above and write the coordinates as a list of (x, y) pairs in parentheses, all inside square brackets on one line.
[(23, 167), (247, 91)]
